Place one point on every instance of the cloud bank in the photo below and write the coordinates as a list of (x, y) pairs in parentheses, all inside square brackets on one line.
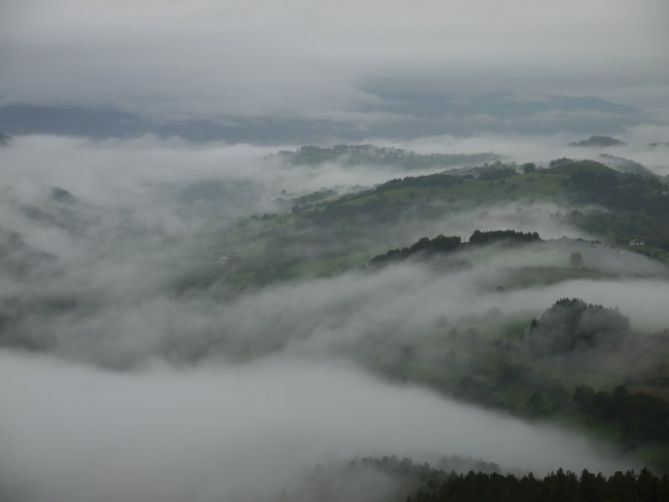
[(350, 62), (135, 391), (235, 433)]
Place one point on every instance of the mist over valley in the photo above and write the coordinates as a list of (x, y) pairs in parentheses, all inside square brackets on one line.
[(338, 252)]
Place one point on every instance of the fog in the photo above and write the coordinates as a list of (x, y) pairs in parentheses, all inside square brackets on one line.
[(189, 313), (122, 387), (101, 171), (72, 433), (343, 316), (111, 255), (326, 62)]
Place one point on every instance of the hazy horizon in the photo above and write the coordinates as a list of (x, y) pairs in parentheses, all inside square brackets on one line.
[(256, 71)]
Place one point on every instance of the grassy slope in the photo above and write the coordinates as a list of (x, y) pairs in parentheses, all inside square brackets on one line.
[(331, 236), (484, 361)]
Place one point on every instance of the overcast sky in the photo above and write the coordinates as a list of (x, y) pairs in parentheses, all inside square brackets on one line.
[(335, 61)]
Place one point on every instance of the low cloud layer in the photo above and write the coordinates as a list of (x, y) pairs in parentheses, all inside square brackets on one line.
[(135, 390), (174, 326), (226, 61), (235, 433), (98, 273)]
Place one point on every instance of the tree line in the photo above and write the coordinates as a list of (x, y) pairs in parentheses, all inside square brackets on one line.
[(559, 486), (447, 244)]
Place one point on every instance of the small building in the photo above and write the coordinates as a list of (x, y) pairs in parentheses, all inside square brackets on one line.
[(637, 242)]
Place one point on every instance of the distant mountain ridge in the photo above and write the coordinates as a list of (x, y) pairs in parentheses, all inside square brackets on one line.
[(602, 141), (422, 114)]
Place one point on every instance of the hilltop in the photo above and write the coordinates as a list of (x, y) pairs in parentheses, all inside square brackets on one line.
[(601, 141), (329, 233), (352, 155)]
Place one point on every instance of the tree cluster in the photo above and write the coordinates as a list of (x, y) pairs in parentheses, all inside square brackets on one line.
[(639, 415), (559, 487), (479, 237), (424, 246), (429, 181), (483, 482), (442, 244), (571, 324)]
